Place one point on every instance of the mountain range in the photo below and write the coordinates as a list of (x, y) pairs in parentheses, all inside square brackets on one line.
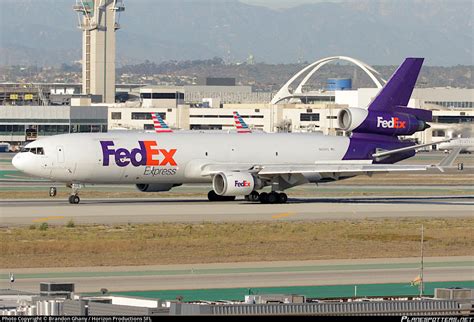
[(379, 32)]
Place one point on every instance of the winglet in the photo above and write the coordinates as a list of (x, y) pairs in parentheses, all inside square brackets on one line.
[(240, 124), (159, 124), (397, 91)]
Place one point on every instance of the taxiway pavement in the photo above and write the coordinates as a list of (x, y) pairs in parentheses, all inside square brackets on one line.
[(256, 274), (192, 210)]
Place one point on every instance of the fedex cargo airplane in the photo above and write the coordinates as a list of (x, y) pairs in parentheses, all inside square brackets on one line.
[(235, 164)]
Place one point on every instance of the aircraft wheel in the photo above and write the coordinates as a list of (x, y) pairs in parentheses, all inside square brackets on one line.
[(254, 196), (264, 197), (74, 199), (282, 197), (273, 197), (52, 192), (212, 196)]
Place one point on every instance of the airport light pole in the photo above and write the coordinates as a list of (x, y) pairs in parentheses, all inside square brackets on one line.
[(421, 268)]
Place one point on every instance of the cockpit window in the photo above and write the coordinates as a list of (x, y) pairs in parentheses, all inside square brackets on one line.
[(38, 150)]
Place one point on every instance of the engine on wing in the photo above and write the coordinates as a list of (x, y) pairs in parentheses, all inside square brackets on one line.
[(392, 123), (233, 183), (155, 187)]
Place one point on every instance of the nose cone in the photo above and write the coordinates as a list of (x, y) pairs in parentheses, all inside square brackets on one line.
[(19, 162)]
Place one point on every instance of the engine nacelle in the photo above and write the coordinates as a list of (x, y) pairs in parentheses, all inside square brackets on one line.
[(155, 187), (394, 123), (233, 183), (350, 118)]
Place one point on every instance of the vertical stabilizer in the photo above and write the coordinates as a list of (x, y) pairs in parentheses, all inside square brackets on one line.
[(159, 124), (398, 90), (240, 124)]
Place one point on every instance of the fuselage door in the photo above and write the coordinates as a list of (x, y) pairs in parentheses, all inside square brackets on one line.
[(60, 154)]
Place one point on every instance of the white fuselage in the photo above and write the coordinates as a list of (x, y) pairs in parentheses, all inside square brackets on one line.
[(170, 157)]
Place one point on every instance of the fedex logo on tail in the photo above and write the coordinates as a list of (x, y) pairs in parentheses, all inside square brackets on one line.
[(241, 184), (393, 123), (147, 154)]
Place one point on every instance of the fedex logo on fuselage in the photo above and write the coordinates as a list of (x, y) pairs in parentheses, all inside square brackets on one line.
[(241, 184), (393, 123), (146, 154)]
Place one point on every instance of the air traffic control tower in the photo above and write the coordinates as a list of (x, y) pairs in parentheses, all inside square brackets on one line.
[(99, 20)]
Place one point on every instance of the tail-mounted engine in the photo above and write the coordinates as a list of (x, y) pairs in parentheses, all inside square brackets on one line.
[(399, 121)]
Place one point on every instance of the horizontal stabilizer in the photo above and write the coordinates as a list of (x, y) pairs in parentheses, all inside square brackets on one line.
[(409, 148)]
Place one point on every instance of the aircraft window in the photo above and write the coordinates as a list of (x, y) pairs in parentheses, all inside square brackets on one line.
[(25, 150), (39, 151), (33, 150)]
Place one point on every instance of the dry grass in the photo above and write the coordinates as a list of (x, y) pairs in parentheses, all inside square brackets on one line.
[(171, 243)]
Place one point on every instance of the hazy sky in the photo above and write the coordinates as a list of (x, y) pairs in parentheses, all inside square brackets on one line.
[(283, 3)]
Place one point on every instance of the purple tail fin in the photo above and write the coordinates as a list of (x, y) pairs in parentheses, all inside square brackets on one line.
[(397, 91)]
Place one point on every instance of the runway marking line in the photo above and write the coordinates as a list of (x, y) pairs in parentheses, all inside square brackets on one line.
[(48, 218), (283, 215)]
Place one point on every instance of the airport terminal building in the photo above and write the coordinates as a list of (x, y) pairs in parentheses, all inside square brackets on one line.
[(211, 107), (22, 124), (452, 109)]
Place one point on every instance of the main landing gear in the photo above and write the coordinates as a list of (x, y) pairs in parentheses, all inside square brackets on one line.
[(74, 197), (273, 197), (264, 197), (213, 196), (270, 198), (253, 196)]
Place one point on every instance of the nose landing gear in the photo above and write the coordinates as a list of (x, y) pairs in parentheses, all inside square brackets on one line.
[(53, 191)]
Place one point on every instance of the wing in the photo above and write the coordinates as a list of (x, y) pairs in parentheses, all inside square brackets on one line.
[(289, 175), (342, 167)]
